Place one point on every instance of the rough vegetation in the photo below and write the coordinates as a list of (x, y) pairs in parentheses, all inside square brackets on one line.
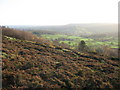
[(31, 64)]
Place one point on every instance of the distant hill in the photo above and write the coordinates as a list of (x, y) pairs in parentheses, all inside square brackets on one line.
[(36, 64), (76, 29), (99, 27)]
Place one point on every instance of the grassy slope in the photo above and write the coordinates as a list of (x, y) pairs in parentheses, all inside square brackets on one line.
[(29, 64)]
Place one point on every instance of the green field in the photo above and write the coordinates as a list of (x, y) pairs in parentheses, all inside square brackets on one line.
[(74, 40)]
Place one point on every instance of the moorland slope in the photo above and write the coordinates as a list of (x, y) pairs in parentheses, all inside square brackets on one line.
[(38, 64)]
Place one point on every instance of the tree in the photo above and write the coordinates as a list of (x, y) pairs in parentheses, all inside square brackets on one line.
[(82, 46)]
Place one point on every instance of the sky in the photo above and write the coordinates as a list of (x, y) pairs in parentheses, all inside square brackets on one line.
[(57, 12)]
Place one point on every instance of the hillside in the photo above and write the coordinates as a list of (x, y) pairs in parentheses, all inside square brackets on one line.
[(36, 64), (74, 29)]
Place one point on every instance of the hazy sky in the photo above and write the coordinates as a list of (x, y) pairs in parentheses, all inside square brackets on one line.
[(57, 12)]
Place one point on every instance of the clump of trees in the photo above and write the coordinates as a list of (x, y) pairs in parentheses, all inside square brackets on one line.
[(17, 34), (82, 46), (22, 35)]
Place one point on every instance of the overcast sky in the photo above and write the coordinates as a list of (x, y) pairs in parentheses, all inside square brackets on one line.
[(57, 12)]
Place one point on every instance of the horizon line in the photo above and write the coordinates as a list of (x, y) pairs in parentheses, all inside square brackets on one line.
[(50, 24)]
